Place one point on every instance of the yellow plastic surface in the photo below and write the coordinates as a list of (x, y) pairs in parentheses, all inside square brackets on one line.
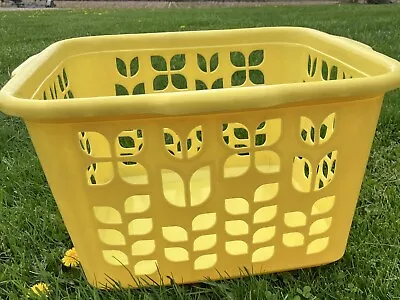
[(246, 151)]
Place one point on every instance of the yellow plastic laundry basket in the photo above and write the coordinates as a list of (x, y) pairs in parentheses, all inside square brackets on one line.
[(199, 155)]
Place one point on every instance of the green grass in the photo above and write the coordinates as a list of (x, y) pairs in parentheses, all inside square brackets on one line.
[(33, 237)]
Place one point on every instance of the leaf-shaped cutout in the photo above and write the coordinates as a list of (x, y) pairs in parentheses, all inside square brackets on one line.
[(60, 83), (238, 78), (307, 131), (262, 254), (327, 128), (236, 206), (236, 247), (268, 132), (237, 134), (139, 89), (55, 91), (115, 257), (107, 215), (318, 245), (205, 242), (256, 76), (266, 192), (320, 226), (237, 59), (256, 57), (158, 63), (160, 82), (265, 214), (236, 227), (200, 85), (134, 67), (236, 165), (173, 188), (293, 239), (334, 73), (295, 219), (312, 66), (214, 62), (201, 62), (218, 84), (179, 81), (174, 234), (111, 237), (194, 141), (326, 170), (325, 70), (120, 90), (172, 143), (267, 161), (205, 262), (140, 226), (264, 234), (65, 77), (204, 221), (178, 61), (121, 67), (176, 254), (145, 267), (132, 172), (200, 186), (143, 247), (302, 174), (323, 205), (137, 204)]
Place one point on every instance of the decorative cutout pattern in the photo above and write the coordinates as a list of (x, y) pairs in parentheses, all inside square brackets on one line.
[(323, 69)]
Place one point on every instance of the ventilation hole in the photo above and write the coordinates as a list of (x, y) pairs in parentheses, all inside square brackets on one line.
[(132, 172), (309, 65), (218, 84), (266, 192), (94, 166), (88, 148), (306, 170), (293, 239), (236, 165), (333, 168), (320, 226), (334, 73), (323, 205), (264, 234), (179, 81), (143, 247), (261, 125), (115, 257), (126, 142), (267, 161), (261, 139), (52, 94), (265, 214), (121, 67), (204, 221), (205, 242), (178, 62), (256, 57), (205, 262), (173, 188), (120, 90), (44, 96), (238, 78), (241, 133), (312, 134), (65, 78), (301, 176), (134, 66), (194, 141), (323, 130), (238, 59), (70, 95), (176, 254), (62, 88), (129, 143), (200, 186), (103, 174), (304, 135), (325, 169), (318, 245), (111, 237), (236, 247), (236, 206), (158, 63), (140, 226), (226, 139), (201, 62), (256, 76), (160, 82), (214, 62), (145, 267), (262, 254), (236, 227), (175, 234), (137, 204), (327, 128), (325, 70), (107, 215), (139, 89), (200, 85), (295, 219)]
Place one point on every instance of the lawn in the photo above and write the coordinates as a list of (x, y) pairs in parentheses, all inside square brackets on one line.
[(33, 238)]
